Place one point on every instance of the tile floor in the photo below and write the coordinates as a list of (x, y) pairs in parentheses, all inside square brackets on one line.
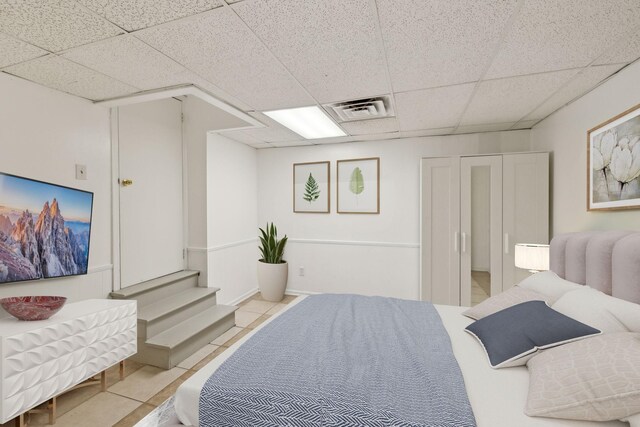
[(147, 387), (480, 286)]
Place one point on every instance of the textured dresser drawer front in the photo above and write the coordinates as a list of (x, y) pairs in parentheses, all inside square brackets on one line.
[(19, 383), (41, 392), (38, 338), (40, 363), (19, 362), (111, 342)]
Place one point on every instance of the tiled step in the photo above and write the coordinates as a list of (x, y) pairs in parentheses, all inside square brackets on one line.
[(156, 289), (170, 347), (163, 314)]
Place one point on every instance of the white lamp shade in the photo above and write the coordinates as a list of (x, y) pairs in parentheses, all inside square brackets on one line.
[(532, 257)]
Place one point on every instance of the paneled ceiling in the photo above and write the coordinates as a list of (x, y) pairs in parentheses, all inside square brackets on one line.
[(450, 66)]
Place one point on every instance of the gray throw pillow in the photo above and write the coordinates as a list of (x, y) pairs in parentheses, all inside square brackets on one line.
[(512, 336)]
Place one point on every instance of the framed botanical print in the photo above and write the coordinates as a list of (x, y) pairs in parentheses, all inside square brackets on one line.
[(359, 186), (311, 189), (613, 163)]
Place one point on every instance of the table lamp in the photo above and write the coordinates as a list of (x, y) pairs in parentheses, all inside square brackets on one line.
[(532, 257)]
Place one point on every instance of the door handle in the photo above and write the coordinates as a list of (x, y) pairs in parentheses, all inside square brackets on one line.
[(464, 243), (506, 243), (126, 182)]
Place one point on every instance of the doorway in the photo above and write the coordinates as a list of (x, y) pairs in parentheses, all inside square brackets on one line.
[(150, 226)]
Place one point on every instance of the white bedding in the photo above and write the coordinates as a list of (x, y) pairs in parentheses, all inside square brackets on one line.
[(497, 396)]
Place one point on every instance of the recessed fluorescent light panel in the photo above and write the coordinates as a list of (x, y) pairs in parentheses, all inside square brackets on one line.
[(308, 122)]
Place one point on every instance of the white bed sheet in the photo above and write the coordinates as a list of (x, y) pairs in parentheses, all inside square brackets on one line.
[(497, 396)]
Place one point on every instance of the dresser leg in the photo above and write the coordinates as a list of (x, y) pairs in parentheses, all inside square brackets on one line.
[(122, 370), (103, 381), (21, 420), (53, 406)]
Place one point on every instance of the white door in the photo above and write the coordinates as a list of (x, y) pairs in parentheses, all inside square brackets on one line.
[(526, 207), (480, 228), (440, 207), (150, 177)]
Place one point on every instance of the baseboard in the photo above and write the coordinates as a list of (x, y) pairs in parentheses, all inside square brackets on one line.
[(243, 297), (297, 293)]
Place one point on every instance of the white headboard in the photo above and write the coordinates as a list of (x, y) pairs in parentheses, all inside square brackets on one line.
[(605, 260)]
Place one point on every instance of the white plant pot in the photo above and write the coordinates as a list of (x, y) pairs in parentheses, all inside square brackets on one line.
[(272, 280)]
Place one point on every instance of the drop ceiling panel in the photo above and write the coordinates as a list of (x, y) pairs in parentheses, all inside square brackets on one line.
[(525, 124), (429, 132), (131, 61), (368, 127), (15, 51), (273, 132), (53, 25), (578, 86), (262, 145), (242, 137), (556, 35), (433, 43), (291, 144), (331, 46), (509, 100), (136, 14), (220, 48), (61, 74), (627, 50), (335, 140), (432, 108), (494, 127)]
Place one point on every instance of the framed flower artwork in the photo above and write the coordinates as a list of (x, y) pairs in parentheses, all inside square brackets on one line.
[(311, 189), (613, 157)]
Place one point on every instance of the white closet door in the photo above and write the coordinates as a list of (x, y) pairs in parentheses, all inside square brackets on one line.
[(440, 264), (526, 207), (480, 228)]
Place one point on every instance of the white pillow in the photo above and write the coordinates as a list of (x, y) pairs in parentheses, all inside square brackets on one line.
[(506, 299), (599, 310), (549, 284), (596, 379)]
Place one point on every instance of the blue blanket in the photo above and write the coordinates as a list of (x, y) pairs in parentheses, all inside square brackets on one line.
[(342, 360)]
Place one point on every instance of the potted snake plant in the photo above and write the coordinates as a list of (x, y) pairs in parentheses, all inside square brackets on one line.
[(273, 271)]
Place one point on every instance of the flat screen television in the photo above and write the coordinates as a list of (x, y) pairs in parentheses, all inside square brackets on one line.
[(45, 229)]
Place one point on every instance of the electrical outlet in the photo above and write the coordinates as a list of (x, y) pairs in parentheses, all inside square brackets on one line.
[(301, 271), (81, 172)]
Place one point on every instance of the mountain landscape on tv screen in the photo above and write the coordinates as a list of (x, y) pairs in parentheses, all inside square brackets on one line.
[(34, 246)]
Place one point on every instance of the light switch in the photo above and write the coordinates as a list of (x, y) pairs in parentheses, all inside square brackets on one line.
[(81, 172)]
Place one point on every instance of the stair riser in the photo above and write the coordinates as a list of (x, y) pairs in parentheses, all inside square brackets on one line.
[(156, 294), (149, 329), (167, 359)]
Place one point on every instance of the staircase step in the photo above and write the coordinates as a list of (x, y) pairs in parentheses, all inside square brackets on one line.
[(159, 288), (172, 346), (161, 315)]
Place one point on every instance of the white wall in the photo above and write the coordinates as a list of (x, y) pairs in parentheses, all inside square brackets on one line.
[(221, 203), (43, 135), (564, 133), (366, 254), (232, 218)]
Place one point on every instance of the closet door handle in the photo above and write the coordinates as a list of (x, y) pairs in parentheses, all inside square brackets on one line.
[(464, 243), (456, 238), (506, 243)]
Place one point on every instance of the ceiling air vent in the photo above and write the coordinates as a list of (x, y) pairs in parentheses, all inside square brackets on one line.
[(361, 109)]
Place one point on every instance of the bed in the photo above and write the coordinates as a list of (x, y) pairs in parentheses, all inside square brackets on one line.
[(608, 261)]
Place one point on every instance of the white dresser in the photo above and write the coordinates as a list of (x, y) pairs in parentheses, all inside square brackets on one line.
[(41, 359)]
